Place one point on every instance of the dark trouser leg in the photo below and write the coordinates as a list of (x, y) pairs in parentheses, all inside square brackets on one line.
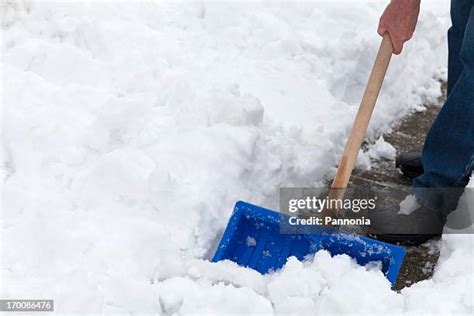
[(460, 11), (449, 146)]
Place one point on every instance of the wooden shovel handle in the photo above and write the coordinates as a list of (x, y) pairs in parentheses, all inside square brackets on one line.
[(364, 114)]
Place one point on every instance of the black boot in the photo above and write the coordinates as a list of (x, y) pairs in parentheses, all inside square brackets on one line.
[(410, 164), (420, 226)]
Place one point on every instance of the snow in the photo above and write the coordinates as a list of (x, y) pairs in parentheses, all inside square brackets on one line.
[(382, 150), (129, 130), (408, 205), (378, 150), (321, 283), (450, 291), (250, 241)]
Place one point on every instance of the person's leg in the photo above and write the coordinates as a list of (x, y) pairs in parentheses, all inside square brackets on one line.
[(410, 163), (460, 11), (449, 146), (448, 150)]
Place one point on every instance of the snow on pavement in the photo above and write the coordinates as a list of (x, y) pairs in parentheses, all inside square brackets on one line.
[(130, 129)]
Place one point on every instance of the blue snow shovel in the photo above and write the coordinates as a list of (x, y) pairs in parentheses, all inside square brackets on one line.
[(253, 236)]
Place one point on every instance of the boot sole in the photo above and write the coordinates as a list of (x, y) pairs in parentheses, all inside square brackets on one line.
[(406, 240)]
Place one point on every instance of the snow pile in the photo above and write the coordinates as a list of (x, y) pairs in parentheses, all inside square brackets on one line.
[(382, 150), (130, 129), (451, 290), (322, 285)]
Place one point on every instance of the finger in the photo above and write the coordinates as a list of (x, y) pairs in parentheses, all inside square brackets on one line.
[(397, 48), (381, 30)]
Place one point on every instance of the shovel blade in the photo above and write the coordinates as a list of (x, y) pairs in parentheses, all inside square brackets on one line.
[(253, 239)]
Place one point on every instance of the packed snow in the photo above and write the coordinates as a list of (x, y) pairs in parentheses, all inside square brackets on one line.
[(129, 130), (382, 150), (378, 150), (408, 205), (250, 241)]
